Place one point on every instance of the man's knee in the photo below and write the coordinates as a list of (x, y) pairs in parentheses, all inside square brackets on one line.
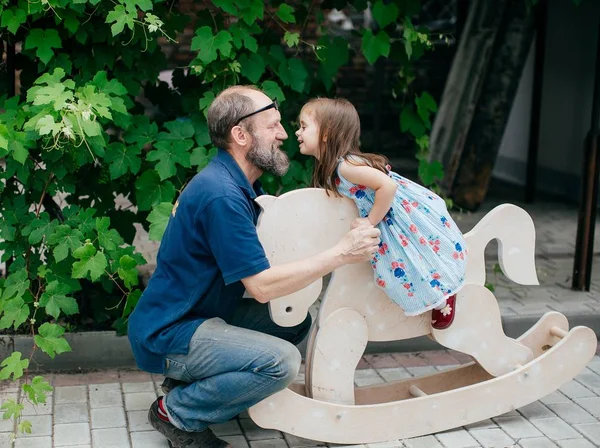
[(287, 363)]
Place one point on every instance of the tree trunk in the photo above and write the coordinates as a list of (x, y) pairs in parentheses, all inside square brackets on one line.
[(479, 95)]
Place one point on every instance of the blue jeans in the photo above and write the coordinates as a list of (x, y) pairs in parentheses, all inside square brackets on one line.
[(232, 366)]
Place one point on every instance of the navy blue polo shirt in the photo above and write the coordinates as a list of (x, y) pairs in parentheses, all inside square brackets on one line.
[(209, 245)]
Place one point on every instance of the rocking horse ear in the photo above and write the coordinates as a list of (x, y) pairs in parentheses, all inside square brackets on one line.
[(265, 200)]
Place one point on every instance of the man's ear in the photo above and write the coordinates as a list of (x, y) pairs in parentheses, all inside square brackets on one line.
[(239, 136)]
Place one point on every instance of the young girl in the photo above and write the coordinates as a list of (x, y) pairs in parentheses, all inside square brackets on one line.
[(422, 256)]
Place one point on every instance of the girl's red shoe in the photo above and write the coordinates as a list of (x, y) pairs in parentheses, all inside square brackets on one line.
[(442, 319)]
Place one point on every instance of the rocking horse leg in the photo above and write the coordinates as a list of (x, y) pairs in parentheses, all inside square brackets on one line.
[(308, 360), (477, 331), (339, 344)]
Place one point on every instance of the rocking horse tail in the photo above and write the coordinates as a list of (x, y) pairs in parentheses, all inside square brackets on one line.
[(514, 229)]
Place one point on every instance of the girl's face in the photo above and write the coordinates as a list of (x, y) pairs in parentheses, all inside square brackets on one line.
[(308, 135)]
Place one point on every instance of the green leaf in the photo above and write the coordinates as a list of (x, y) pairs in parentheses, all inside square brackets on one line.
[(24, 427), (55, 300), (132, 300), (123, 158), (253, 66), (375, 46), (89, 263), (128, 271), (251, 10), (242, 37), (39, 228), (108, 239), (13, 365), (12, 409), (13, 18), (298, 74), (207, 45), (168, 154), (384, 14), (178, 130), (425, 106), (47, 125), (151, 191), (272, 90), (15, 285), (226, 5), (206, 100), (428, 172), (286, 13), (158, 219), (120, 18), (64, 239), (14, 313), (50, 339), (411, 122), (36, 391), (144, 5), (43, 41), (291, 39), (141, 131)]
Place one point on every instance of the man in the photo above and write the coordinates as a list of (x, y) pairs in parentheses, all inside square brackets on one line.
[(191, 324)]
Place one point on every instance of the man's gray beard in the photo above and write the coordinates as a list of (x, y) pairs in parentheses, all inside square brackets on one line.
[(272, 160)]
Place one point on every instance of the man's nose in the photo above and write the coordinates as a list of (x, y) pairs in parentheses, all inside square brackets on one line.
[(282, 135)]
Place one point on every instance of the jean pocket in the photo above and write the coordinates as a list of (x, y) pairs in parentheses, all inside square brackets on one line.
[(177, 370)]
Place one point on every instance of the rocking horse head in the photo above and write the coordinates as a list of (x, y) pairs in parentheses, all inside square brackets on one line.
[(297, 225)]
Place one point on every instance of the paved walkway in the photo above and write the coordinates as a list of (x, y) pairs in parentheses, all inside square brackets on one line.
[(108, 409)]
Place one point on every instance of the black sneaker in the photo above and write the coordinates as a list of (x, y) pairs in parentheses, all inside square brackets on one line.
[(182, 439), (169, 384)]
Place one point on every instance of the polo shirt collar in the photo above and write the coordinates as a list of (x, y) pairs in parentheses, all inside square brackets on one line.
[(227, 160)]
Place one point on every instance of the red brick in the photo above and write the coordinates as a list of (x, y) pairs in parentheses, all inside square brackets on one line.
[(70, 379), (439, 358), (461, 357), (134, 376), (363, 364), (410, 359), (382, 361)]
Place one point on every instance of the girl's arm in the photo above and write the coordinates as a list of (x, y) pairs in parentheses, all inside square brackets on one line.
[(384, 186)]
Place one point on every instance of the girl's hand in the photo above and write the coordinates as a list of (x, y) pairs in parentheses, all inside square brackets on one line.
[(360, 222)]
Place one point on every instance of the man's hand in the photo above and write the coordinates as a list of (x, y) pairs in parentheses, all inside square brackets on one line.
[(361, 222), (359, 244)]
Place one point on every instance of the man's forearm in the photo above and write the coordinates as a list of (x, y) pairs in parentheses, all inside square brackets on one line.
[(281, 280)]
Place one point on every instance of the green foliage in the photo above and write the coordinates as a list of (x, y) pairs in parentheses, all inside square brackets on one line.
[(92, 122)]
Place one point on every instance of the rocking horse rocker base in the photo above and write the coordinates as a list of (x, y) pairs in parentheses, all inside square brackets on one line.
[(506, 373), (453, 398)]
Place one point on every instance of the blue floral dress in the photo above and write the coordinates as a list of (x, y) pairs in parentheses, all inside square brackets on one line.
[(422, 255)]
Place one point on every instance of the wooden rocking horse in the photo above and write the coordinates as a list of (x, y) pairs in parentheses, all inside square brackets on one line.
[(505, 375)]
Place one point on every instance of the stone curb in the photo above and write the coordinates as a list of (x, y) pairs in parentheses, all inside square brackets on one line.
[(104, 349)]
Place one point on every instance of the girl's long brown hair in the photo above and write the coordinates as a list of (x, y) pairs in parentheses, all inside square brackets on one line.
[(339, 136)]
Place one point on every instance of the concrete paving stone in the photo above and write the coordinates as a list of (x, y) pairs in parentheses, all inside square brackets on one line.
[(392, 444), (41, 425), (147, 386), (236, 441), (367, 377), (111, 438), (576, 443), (536, 410), (537, 442), (517, 427), (71, 434), (255, 432), (105, 376), (270, 443), (108, 418), (77, 446), (439, 358), (589, 430), (230, 428), (590, 404), (148, 439), (139, 401), (410, 359), (71, 413), (101, 397), (573, 389), (70, 394), (422, 442), (422, 371), (394, 374), (381, 361), (447, 367), (594, 364), (138, 421), (555, 398), (299, 442), (6, 440), (37, 409), (457, 438), (589, 379), (492, 437), (572, 413), (484, 424), (34, 442), (555, 428), (6, 425)]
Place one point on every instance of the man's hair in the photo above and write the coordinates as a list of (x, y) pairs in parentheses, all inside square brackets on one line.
[(225, 110)]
